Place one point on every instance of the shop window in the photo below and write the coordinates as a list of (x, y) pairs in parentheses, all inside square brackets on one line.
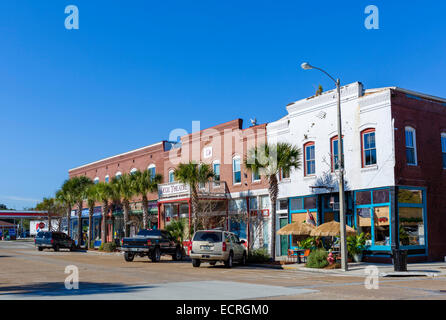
[(329, 216), (334, 145), (443, 149), (264, 202), (310, 203), (411, 226), (410, 196), (380, 196), (296, 204), (368, 147), (411, 149), (309, 156), (236, 170), (364, 223), (381, 225), (363, 197), (171, 176), (253, 203)]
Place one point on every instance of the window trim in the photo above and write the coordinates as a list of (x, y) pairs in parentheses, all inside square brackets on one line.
[(173, 175), (306, 145), (414, 142), (363, 164), (443, 135)]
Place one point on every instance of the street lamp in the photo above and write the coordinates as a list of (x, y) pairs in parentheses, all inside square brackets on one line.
[(344, 265)]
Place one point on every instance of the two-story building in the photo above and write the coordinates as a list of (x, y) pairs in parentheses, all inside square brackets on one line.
[(395, 167)]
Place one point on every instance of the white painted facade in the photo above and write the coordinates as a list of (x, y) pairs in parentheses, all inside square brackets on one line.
[(314, 119)]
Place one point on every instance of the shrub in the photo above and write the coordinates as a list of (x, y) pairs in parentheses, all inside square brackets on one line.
[(101, 247), (259, 255), (317, 259), (109, 246)]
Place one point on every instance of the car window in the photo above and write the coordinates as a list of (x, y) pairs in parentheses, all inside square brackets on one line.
[(236, 238), (207, 236)]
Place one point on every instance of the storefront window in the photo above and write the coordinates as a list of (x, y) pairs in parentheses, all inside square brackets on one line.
[(410, 196), (381, 226), (310, 203), (411, 219), (381, 196), (364, 223), (296, 204), (363, 197)]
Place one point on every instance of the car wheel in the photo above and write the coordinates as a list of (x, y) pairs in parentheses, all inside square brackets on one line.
[(228, 263), (56, 247), (243, 262), (40, 248), (213, 263), (178, 255), (129, 256), (196, 262), (156, 255)]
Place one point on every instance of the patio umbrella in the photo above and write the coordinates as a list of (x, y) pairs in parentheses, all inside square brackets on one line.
[(296, 229), (331, 229)]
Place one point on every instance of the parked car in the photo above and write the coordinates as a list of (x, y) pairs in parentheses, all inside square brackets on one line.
[(217, 245), (54, 240), (151, 243)]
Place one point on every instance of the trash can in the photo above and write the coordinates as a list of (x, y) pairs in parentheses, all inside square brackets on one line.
[(399, 260)]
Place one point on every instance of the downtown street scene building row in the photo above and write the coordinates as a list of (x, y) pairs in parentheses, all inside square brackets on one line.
[(395, 171)]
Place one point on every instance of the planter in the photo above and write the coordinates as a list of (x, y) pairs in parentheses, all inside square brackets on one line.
[(357, 257)]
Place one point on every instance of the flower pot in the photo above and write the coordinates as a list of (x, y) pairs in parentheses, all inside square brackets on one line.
[(357, 257)]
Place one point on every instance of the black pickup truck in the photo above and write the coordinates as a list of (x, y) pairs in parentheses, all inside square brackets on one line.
[(151, 243)]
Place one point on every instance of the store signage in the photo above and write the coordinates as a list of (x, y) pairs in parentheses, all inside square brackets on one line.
[(173, 189)]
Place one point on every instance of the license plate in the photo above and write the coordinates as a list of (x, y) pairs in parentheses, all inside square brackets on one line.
[(134, 249), (206, 248)]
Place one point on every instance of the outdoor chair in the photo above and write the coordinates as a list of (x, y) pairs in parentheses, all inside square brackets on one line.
[(292, 254), (305, 255)]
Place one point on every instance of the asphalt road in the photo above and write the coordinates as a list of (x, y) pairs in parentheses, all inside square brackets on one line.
[(26, 273)]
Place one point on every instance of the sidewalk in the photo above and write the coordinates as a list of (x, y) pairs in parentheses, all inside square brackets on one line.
[(430, 269)]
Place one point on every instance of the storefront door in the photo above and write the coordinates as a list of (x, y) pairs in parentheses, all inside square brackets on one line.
[(283, 239)]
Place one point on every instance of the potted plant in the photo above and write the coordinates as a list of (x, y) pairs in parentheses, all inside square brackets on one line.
[(355, 246)]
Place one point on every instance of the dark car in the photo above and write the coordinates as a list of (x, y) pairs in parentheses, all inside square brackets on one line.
[(151, 243), (54, 240)]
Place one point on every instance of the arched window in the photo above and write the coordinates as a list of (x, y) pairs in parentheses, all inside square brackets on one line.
[(443, 148), (118, 174), (411, 146), (133, 170), (152, 170), (96, 180), (236, 170), (107, 178), (368, 148), (171, 176), (309, 158)]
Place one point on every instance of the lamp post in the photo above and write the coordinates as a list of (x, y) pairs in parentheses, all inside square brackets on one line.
[(344, 265)]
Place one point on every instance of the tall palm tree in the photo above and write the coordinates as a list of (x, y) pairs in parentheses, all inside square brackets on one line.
[(104, 193), (81, 185), (66, 196), (92, 197), (270, 160), (193, 174), (125, 187), (145, 183)]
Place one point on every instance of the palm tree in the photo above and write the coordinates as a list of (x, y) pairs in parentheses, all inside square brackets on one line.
[(125, 188), (49, 205), (66, 196), (145, 183), (270, 160), (104, 193), (193, 174), (80, 188), (92, 196)]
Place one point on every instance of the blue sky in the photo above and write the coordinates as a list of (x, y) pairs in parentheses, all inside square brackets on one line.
[(137, 69)]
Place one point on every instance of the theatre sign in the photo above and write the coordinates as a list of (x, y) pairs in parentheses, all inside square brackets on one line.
[(173, 189)]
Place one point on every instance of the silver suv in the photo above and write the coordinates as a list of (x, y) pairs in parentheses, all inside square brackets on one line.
[(217, 245)]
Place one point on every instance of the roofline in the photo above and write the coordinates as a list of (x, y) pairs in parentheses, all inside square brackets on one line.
[(115, 156), (411, 92)]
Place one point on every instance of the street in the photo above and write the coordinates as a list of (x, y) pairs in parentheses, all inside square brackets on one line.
[(26, 273)]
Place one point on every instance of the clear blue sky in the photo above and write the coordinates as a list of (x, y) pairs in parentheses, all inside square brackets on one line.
[(137, 69)]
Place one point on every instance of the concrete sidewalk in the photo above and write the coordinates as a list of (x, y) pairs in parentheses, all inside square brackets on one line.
[(430, 269)]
